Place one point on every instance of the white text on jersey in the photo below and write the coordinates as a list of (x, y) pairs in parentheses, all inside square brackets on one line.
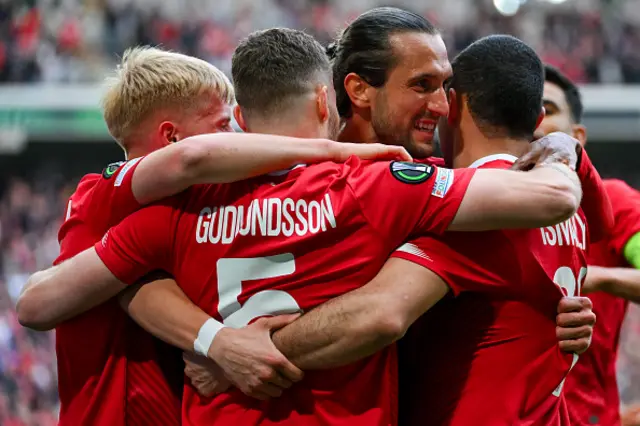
[(571, 232), (269, 217)]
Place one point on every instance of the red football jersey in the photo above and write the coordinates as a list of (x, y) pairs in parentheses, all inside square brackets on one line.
[(245, 250), (592, 389), (107, 369), (488, 354)]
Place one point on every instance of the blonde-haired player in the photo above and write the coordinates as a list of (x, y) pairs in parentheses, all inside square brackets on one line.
[(110, 371)]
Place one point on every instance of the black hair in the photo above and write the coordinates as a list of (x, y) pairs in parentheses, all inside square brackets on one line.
[(502, 79), (363, 48), (271, 68), (571, 92)]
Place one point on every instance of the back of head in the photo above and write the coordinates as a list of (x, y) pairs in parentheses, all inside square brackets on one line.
[(275, 68), (502, 80), (571, 91), (364, 48), (150, 79)]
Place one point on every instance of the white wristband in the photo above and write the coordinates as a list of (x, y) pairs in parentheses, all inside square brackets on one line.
[(206, 335)]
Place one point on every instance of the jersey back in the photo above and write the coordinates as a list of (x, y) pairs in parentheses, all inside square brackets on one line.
[(488, 354), (280, 245)]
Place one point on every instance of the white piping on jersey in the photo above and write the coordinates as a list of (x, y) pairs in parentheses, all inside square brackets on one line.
[(284, 172), (413, 249), (489, 158)]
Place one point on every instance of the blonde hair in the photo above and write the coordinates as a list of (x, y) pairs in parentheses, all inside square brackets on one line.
[(148, 79)]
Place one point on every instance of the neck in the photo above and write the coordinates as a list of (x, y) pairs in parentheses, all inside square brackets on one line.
[(482, 146), (303, 132), (357, 129)]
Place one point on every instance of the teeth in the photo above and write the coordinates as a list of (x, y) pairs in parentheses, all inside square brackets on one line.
[(426, 127)]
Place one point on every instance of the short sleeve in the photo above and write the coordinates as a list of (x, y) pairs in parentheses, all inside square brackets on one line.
[(626, 207), (400, 199), (595, 201), (113, 198), (457, 270), (139, 244)]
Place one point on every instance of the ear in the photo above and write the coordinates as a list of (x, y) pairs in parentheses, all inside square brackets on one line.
[(540, 117), (169, 132), (237, 114), (322, 103), (454, 108), (580, 133), (358, 90)]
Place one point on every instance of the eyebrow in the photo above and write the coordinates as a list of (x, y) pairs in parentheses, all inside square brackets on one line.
[(423, 76)]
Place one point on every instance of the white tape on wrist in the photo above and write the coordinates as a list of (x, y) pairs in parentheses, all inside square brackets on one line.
[(206, 335)]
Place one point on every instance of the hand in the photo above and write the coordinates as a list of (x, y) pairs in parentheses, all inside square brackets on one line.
[(370, 151), (596, 279), (575, 323), (556, 147), (251, 361), (205, 375)]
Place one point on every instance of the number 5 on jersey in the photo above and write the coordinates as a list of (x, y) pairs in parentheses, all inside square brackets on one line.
[(231, 274)]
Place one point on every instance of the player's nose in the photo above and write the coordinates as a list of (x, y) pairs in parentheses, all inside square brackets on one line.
[(438, 104)]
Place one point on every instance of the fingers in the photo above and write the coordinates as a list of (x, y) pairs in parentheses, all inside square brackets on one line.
[(277, 322), (578, 346), (574, 304), (576, 319), (289, 371)]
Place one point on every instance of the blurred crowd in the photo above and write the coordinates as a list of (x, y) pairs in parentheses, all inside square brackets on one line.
[(30, 216), (76, 40)]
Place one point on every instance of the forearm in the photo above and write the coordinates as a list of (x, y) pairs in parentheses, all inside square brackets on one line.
[(504, 199), (64, 291), (161, 308), (336, 333), (362, 322), (222, 158), (621, 282)]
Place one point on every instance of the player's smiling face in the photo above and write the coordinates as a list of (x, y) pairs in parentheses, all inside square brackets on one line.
[(211, 116), (405, 111), (557, 113)]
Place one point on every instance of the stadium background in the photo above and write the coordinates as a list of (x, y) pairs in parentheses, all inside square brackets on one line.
[(54, 53)]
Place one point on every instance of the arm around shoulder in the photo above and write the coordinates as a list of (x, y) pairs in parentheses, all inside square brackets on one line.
[(505, 199)]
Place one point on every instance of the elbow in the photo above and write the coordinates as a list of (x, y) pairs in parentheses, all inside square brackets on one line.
[(564, 203), (30, 313), (389, 327), (191, 157)]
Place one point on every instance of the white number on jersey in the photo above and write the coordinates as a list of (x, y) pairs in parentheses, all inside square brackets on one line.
[(233, 271), (565, 279)]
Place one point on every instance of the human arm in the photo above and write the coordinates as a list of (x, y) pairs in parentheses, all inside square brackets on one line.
[(246, 356), (620, 282), (363, 321), (230, 157)]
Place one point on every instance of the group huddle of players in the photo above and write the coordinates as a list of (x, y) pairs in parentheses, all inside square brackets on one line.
[(476, 268)]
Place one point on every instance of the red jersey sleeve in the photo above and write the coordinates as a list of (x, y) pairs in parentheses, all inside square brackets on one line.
[(626, 207), (399, 198), (140, 244), (595, 201), (457, 270)]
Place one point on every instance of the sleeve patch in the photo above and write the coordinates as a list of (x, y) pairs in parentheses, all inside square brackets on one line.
[(125, 170), (111, 169), (444, 180), (412, 173)]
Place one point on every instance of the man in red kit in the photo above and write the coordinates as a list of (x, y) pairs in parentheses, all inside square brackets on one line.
[(613, 278), (116, 375), (266, 246)]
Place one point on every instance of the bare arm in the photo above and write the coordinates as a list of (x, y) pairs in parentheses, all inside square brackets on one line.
[(68, 285), (360, 323), (621, 282), (505, 199), (230, 157)]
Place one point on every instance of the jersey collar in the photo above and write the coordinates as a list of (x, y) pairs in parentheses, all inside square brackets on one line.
[(495, 157)]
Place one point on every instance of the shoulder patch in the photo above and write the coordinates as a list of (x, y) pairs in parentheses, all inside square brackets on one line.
[(411, 172), (111, 169)]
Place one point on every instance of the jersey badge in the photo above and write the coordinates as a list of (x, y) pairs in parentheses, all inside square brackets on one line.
[(411, 172), (111, 169)]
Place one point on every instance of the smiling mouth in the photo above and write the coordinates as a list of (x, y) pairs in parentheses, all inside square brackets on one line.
[(425, 126)]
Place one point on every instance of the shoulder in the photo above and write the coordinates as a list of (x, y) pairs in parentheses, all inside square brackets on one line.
[(617, 186)]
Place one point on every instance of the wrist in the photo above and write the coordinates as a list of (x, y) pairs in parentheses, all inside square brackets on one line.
[(207, 334)]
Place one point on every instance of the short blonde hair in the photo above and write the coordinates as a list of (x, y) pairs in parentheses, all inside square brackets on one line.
[(149, 78)]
